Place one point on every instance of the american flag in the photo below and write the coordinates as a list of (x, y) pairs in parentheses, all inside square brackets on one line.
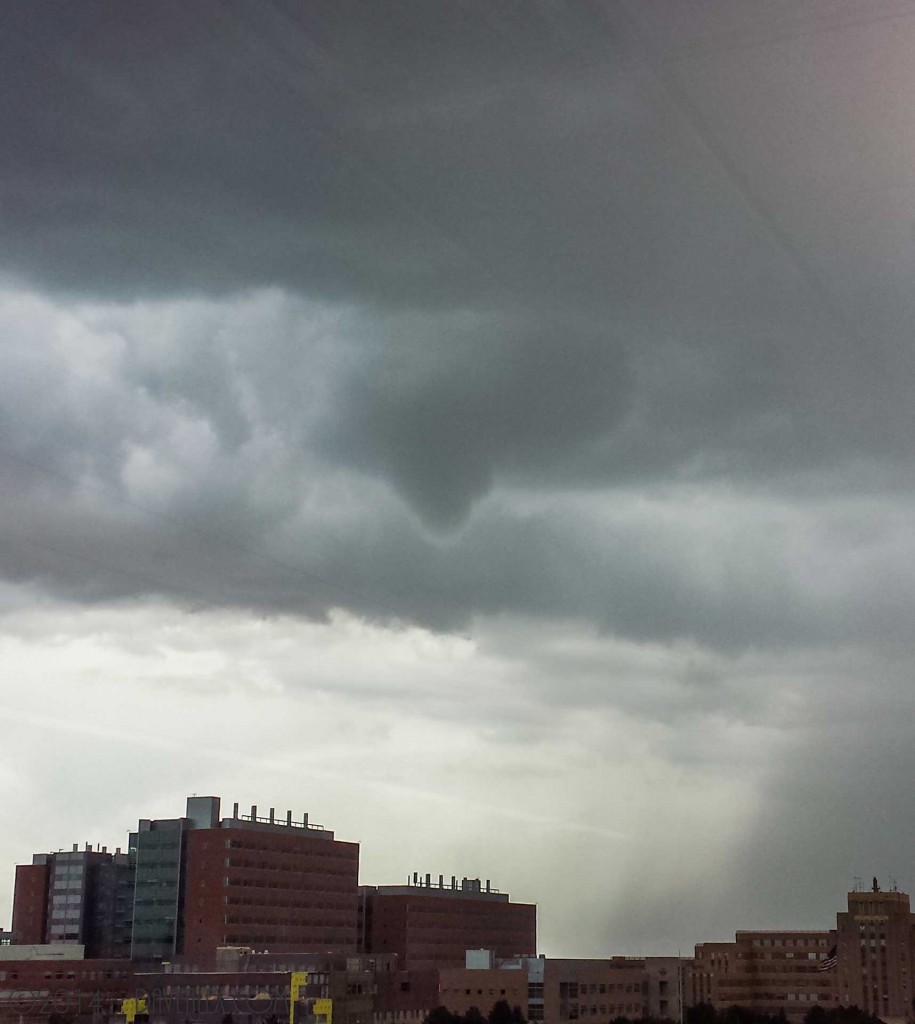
[(831, 959)]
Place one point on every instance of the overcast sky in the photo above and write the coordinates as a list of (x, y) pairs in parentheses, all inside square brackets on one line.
[(486, 426)]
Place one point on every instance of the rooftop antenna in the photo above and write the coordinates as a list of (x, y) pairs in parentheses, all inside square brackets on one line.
[(857, 883)]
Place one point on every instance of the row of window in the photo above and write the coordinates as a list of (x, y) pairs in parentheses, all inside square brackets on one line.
[(777, 997), (802, 941), (789, 955), (66, 914), (62, 898), (328, 850), (572, 989), (207, 991), (600, 989), (770, 963), (468, 992), (613, 1009), (312, 884), (289, 923), (274, 938), (344, 906), (70, 975)]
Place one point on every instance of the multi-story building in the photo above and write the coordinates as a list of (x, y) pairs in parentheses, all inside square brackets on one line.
[(30, 902), (765, 971), (558, 990), (666, 989), (872, 967), (246, 986), (432, 926), (272, 884), (79, 896), (594, 990), (189, 885), (265, 882), (158, 847), (875, 943), (405, 997), (320, 988), (35, 988)]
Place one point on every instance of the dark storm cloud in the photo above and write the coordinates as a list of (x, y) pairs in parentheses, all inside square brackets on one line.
[(527, 167), (442, 412), (218, 147), (530, 259)]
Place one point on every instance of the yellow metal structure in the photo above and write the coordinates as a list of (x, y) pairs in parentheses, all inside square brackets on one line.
[(131, 1007), (297, 981), (324, 1008)]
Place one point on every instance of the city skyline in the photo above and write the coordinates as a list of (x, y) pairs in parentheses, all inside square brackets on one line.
[(416, 881)]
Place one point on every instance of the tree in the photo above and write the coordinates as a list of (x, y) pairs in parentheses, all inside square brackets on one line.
[(442, 1015), (701, 1013), (501, 1013), (840, 1015)]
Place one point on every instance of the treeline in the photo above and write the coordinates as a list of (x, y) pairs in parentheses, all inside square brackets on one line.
[(641, 1020), (840, 1015), (501, 1013), (703, 1013)]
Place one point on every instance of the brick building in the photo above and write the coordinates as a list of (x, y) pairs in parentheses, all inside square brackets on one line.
[(266, 882), (84, 990), (30, 903), (191, 884), (461, 988), (875, 943), (79, 896), (594, 990), (431, 926), (765, 971), (558, 990), (770, 971), (272, 885), (258, 987)]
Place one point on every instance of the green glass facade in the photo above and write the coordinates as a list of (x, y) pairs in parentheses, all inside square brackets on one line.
[(159, 891)]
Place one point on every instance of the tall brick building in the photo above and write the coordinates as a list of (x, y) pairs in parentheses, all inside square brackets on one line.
[(189, 885), (875, 947), (769, 971), (275, 885), (433, 926), (30, 903)]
